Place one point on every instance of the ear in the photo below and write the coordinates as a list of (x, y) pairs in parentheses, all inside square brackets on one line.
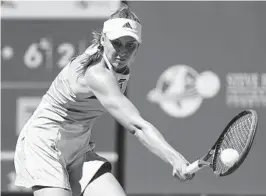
[(138, 46), (102, 40)]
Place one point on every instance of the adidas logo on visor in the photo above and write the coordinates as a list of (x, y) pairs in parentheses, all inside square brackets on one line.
[(127, 25)]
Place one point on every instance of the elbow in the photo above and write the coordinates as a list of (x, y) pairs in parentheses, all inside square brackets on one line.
[(126, 114), (140, 129)]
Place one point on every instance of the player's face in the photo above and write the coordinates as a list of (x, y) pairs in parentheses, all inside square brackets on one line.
[(121, 51)]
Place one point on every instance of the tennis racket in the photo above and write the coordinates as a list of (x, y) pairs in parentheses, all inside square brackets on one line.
[(238, 135)]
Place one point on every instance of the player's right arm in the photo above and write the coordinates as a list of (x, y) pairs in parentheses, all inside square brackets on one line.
[(104, 85)]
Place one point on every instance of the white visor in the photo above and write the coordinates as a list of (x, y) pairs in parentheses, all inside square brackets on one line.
[(119, 27)]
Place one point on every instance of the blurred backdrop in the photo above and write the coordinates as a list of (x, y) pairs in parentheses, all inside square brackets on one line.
[(224, 39)]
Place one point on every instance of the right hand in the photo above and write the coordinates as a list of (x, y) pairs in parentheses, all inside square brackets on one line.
[(179, 168)]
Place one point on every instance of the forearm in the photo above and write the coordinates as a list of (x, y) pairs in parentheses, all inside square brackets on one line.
[(128, 115), (155, 142)]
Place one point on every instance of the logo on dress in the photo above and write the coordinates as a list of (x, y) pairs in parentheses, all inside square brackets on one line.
[(121, 82)]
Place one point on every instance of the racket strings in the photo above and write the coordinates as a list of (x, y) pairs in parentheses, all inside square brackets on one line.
[(236, 137)]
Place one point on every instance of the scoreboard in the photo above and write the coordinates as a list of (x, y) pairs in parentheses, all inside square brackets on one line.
[(38, 40)]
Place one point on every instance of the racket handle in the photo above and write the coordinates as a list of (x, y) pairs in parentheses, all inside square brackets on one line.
[(194, 167)]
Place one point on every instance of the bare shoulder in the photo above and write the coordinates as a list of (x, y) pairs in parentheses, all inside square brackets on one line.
[(96, 77), (97, 74)]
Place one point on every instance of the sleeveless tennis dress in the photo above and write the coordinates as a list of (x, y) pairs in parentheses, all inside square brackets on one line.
[(55, 141)]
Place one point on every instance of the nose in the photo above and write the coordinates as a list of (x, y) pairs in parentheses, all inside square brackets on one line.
[(122, 51)]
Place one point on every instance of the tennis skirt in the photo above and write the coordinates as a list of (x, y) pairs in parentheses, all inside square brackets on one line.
[(37, 167)]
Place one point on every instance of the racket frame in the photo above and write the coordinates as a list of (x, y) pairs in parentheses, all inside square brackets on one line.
[(247, 147), (214, 151)]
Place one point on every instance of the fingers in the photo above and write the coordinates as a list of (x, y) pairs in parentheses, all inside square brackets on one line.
[(189, 176), (182, 176), (185, 177)]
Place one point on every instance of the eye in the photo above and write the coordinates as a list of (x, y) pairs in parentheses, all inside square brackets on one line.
[(131, 46), (116, 43)]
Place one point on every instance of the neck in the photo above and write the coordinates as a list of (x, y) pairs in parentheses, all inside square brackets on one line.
[(120, 69)]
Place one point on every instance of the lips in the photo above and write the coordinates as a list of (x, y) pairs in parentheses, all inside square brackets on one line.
[(121, 60)]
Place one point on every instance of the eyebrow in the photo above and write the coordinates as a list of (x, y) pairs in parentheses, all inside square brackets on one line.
[(133, 41)]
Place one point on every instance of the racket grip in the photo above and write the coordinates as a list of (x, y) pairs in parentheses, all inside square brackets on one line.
[(193, 167)]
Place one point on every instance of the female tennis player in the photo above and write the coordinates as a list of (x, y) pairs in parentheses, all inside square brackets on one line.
[(54, 155)]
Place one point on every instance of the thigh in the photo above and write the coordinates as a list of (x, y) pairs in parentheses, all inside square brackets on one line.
[(106, 184), (85, 169), (44, 191)]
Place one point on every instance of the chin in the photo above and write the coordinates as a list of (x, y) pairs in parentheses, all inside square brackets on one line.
[(115, 64), (119, 65)]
